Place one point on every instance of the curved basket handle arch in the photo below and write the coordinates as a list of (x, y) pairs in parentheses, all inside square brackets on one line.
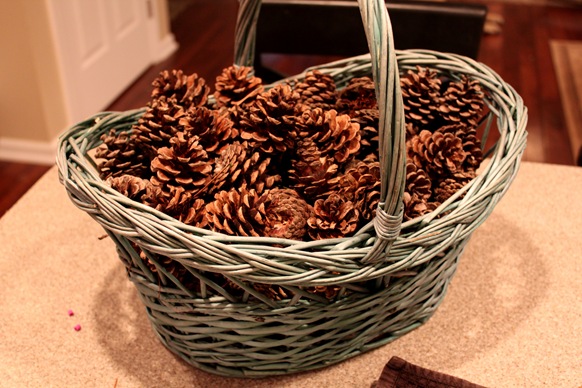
[(392, 154)]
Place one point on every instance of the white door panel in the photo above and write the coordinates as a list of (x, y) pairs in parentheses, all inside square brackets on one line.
[(103, 46)]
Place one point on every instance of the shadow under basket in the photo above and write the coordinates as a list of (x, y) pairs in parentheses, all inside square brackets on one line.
[(250, 335)]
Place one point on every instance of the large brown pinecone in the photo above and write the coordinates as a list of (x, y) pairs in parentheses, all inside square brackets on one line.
[(176, 202), (417, 192), (196, 214), (464, 176), (335, 135), (120, 156), (287, 214), (158, 125), (312, 173), (437, 153), (368, 121), (471, 144), (449, 185), (359, 94), (269, 122), (316, 90), (333, 217), (131, 186), (418, 183), (462, 102), (421, 96), (240, 166), (238, 212), (188, 90), (214, 130), (236, 85), (414, 206), (446, 188), (184, 164), (361, 185)]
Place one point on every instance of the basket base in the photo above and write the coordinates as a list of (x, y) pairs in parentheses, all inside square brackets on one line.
[(255, 340)]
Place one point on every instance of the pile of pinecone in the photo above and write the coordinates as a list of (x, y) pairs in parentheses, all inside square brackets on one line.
[(296, 161)]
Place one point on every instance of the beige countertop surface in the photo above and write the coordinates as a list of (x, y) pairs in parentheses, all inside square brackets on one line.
[(512, 316)]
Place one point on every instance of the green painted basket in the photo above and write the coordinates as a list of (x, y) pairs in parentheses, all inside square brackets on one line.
[(406, 267)]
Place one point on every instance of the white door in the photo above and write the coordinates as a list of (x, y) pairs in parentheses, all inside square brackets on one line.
[(103, 46)]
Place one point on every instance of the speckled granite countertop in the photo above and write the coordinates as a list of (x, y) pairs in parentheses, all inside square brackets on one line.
[(512, 316)]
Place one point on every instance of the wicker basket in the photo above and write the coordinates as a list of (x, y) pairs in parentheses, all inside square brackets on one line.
[(405, 267)]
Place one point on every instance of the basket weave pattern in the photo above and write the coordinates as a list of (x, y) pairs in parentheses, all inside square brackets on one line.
[(392, 278)]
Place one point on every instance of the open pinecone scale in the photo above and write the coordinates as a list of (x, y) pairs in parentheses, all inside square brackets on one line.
[(298, 160)]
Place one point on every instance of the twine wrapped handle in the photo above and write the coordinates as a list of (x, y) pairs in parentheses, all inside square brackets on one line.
[(391, 129)]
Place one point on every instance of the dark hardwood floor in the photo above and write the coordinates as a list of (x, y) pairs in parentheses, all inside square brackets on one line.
[(15, 180), (520, 54)]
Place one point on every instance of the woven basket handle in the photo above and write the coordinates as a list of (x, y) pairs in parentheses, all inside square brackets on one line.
[(391, 151)]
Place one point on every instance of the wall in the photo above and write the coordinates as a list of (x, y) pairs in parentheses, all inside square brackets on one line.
[(32, 102), (33, 109)]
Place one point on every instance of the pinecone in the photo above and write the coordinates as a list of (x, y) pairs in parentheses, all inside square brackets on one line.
[(333, 217), (238, 212), (236, 85), (411, 130), (421, 96), (269, 122), (447, 188), (462, 102), (287, 214), (464, 176), (417, 192), (158, 125), (368, 121), (239, 166), (449, 185), (121, 156), (335, 135), (416, 207), (214, 130), (329, 292), (359, 94), (316, 90), (418, 182), (312, 173), (171, 266), (176, 202), (230, 286), (184, 164), (272, 291), (131, 186), (471, 144), (196, 214), (361, 185), (186, 90), (437, 153), (226, 166)]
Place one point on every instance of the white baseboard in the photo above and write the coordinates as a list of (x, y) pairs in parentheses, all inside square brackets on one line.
[(28, 151), (164, 48)]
